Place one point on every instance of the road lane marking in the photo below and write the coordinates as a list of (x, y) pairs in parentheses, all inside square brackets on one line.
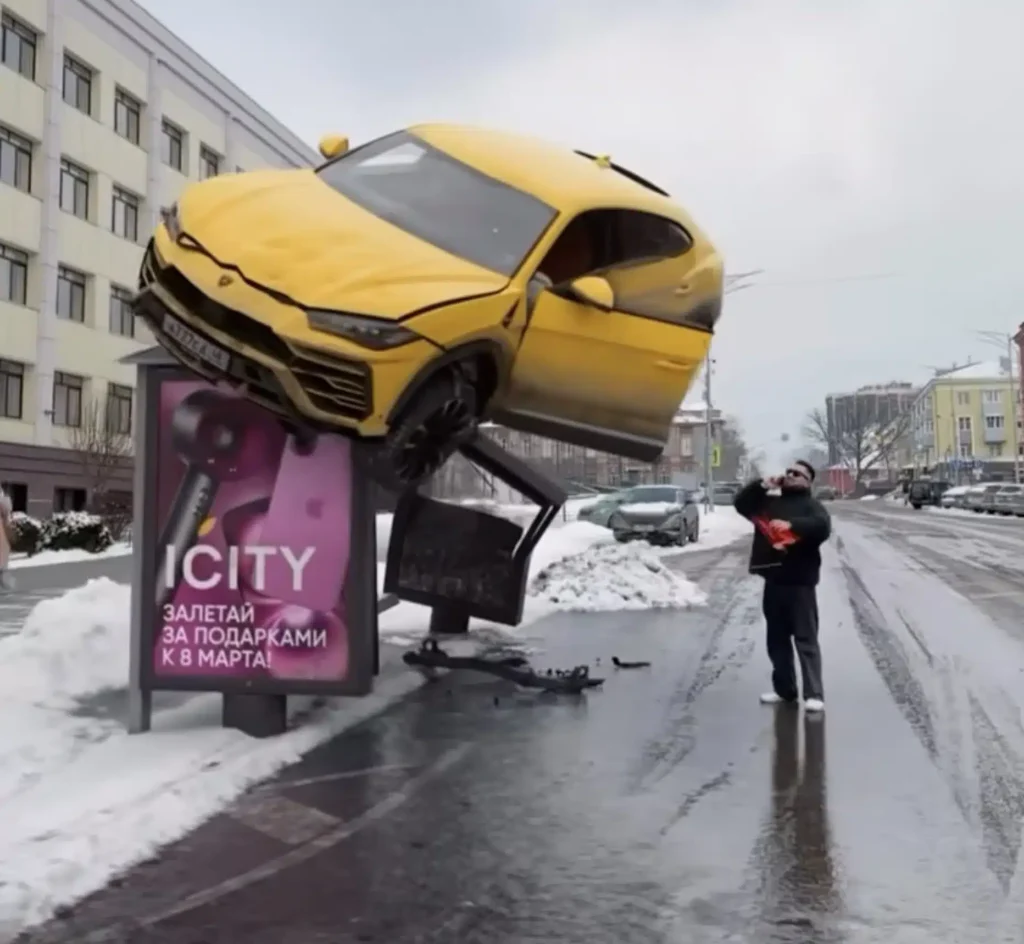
[(342, 775), (293, 857)]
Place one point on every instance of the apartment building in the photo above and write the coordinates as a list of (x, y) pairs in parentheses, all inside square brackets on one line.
[(966, 421), (875, 405), (683, 457), (104, 116)]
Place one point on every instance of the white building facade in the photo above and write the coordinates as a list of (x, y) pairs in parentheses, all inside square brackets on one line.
[(104, 116)]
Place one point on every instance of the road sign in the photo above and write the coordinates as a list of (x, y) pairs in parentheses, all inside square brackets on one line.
[(716, 456)]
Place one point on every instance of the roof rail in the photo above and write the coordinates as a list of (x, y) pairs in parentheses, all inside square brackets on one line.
[(636, 178)]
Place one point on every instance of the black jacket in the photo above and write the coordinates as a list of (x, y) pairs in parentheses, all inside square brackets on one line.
[(798, 564)]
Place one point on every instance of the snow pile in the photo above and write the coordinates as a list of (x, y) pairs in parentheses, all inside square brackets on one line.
[(71, 646), (869, 498), (613, 577)]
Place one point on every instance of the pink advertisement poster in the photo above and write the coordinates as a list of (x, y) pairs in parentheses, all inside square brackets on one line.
[(254, 541)]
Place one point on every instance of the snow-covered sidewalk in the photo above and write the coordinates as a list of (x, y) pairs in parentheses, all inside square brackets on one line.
[(83, 801), (48, 558)]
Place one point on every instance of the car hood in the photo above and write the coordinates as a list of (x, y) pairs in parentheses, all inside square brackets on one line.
[(289, 232), (649, 509)]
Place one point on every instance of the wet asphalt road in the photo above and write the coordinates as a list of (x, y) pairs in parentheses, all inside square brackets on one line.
[(669, 807)]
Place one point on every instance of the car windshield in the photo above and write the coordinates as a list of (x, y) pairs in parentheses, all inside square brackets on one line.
[(653, 493), (442, 201)]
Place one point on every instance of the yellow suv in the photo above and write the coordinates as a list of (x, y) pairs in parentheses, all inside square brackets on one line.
[(413, 286)]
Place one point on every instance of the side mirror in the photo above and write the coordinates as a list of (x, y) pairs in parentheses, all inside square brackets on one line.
[(594, 290), (333, 145)]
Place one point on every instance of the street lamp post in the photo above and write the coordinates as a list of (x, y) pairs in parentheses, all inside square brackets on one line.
[(733, 283), (998, 339)]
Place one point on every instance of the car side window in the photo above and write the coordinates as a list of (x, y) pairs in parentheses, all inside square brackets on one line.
[(600, 241)]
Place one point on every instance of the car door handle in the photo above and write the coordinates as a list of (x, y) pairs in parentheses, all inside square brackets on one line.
[(684, 289), (672, 365)]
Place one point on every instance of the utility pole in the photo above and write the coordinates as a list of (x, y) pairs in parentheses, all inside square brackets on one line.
[(709, 504)]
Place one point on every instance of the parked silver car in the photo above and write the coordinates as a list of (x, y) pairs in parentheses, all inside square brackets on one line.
[(979, 496), (954, 497), (1008, 500), (660, 514), (601, 511)]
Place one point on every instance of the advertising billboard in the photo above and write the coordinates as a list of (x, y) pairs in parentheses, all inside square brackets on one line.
[(262, 574)]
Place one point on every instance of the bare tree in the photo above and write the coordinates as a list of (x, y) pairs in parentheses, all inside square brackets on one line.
[(863, 444), (102, 447)]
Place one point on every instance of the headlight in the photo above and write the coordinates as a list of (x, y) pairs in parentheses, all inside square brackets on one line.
[(373, 333), (171, 218), (674, 520)]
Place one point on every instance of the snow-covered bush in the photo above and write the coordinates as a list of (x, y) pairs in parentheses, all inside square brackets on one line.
[(27, 533), (75, 530)]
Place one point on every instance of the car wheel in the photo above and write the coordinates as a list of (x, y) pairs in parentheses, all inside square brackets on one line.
[(916, 506), (621, 538), (442, 416)]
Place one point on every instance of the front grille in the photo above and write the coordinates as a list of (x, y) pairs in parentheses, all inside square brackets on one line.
[(334, 385), (241, 327), (337, 387)]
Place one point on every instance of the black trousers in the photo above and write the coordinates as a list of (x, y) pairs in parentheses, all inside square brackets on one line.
[(791, 615)]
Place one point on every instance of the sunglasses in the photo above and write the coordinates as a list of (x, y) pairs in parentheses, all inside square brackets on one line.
[(797, 473)]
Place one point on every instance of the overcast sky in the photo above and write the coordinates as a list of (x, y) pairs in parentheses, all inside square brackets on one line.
[(868, 155)]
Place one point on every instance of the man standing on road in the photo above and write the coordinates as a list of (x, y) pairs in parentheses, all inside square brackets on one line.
[(790, 527)]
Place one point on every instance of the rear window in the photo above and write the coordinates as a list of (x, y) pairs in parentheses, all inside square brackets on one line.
[(653, 493)]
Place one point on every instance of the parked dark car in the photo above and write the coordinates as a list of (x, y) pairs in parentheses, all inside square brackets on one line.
[(926, 492), (660, 514)]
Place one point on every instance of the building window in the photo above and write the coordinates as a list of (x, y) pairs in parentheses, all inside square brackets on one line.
[(12, 386), (15, 160), (995, 451), (125, 216), (17, 492), (965, 450), (992, 396), (13, 275), (122, 317), (963, 398), (74, 189), (995, 422), (67, 399), (70, 295), (77, 85), (69, 499), (172, 146), (209, 163), (18, 47), (964, 424), (119, 409), (127, 116)]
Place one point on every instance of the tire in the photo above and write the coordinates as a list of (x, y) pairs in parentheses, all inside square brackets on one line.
[(621, 538), (916, 507), (695, 532), (442, 415)]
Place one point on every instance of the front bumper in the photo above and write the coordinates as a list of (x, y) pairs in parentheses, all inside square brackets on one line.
[(287, 379), (660, 533)]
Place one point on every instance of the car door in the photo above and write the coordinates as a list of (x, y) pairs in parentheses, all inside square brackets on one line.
[(620, 373)]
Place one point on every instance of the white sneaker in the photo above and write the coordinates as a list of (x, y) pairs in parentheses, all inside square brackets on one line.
[(771, 698), (814, 704)]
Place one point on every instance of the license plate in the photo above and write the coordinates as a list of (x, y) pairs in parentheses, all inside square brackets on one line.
[(644, 528), (196, 344)]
